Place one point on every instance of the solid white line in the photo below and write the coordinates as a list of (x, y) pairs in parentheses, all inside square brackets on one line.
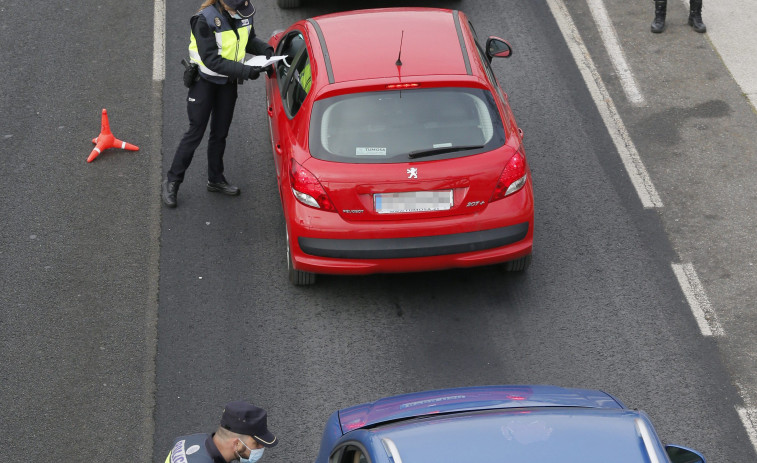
[(618, 58), (159, 41), (697, 298), (749, 420), (623, 143)]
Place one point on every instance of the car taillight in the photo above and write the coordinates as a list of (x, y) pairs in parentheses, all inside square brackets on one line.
[(307, 189), (513, 177)]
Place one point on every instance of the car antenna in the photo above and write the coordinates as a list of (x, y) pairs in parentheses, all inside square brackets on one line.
[(399, 56)]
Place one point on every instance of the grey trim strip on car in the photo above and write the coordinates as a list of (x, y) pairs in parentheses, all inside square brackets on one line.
[(326, 57), (456, 15), (420, 246)]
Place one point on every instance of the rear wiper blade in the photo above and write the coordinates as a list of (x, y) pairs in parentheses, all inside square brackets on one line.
[(446, 149)]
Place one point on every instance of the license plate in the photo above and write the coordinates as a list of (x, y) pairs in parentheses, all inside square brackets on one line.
[(412, 201)]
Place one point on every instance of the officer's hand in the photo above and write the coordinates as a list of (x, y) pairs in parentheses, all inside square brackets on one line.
[(268, 52), (268, 70), (254, 73)]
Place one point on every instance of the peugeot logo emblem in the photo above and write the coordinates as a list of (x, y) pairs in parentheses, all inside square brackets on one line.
[(412, 172)]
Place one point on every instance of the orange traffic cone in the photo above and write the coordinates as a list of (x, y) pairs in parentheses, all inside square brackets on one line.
[(106, 140)]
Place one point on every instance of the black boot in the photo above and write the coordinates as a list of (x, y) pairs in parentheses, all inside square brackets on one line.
[(660, 8), (169, 191), (223, 187), (695, 16)]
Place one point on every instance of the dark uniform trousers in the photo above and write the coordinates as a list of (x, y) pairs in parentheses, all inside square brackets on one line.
[(206, 101)]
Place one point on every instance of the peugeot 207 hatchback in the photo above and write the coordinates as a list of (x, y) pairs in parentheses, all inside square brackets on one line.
[(395, 147), (496, 424)]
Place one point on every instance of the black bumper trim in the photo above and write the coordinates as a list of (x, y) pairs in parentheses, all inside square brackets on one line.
[(421, 246)]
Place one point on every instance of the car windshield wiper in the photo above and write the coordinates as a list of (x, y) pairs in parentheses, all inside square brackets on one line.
[(446, 149)]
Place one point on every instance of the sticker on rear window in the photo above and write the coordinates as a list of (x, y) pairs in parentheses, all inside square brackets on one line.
[(442, 145), (370, 151)]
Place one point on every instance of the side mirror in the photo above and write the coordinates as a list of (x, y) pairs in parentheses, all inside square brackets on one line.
[(276, 36), (498, 48), (683, 455)]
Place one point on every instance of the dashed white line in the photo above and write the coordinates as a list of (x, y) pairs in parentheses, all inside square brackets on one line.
[(159, 41), (697, 299), (748, 415), (749, 420), (623, 143), (617, 56)]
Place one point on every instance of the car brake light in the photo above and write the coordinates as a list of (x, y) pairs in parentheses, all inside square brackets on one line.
[(307, 189), (401, 86), (513, 177), (354, 425)]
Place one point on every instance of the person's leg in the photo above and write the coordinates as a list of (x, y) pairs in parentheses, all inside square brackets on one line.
[(660, 10), (695, 16), (223, 113), (200, 101)]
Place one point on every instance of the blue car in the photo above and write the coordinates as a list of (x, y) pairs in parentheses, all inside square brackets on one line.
[(502, 424)]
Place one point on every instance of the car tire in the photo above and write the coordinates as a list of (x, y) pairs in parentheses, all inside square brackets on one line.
[(288, 3), (297, 277), (518, 265)]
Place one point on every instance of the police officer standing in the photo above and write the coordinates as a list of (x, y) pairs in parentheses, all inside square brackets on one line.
[(242, 435), (222, 32)]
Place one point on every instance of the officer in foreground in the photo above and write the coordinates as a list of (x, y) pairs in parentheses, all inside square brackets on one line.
[(222, 33), (242, 435)]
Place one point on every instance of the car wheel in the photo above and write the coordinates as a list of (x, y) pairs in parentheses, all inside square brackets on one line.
[(288, 3), (518, 265), (297, 277)]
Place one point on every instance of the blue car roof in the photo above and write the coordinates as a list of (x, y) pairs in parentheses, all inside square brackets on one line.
[(554, 434), (470, 398)]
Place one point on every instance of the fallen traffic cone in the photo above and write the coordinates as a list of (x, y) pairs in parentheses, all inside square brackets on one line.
[(106, 140)]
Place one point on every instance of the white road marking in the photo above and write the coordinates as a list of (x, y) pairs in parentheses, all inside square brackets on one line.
[(749, 420), (159, 41), (623, 143), (618, 58), (697, 299), (748, 415)]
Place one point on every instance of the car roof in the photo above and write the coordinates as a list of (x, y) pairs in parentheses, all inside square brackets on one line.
[(566, 435), (365, 44)]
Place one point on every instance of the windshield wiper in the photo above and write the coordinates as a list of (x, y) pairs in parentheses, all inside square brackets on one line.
[(446, 149)]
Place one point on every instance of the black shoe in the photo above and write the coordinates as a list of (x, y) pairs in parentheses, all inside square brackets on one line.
[(660, 10), (695, 16), (223, 187), (695, 21), (169, 193)]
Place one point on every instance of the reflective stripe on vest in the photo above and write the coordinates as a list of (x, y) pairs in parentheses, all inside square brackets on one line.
[(228, 46)]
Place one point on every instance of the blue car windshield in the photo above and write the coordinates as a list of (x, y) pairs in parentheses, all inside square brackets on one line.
[(387, 126), (562, 435)]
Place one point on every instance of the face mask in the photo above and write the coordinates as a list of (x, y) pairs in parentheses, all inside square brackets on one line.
[(255, 454), (236, 16)]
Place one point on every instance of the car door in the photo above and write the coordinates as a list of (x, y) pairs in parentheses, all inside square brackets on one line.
[(281, 107), (508, 114)]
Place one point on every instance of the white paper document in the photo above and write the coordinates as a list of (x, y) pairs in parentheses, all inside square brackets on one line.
[(261, 62)]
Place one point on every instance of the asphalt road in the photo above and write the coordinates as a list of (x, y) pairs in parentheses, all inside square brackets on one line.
[(125, 324)]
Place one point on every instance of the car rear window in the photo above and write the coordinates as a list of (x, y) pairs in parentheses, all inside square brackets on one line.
[(387, 126)]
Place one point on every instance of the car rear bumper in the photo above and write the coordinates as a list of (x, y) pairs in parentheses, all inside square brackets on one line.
[(418, 246)]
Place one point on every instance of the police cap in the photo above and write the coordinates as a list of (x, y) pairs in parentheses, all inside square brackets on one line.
[(243, 418)]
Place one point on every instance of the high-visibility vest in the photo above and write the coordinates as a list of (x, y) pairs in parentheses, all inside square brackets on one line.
[(229, 46), (306, 78)]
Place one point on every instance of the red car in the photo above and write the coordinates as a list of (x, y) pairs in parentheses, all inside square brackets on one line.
[(395, 148)]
